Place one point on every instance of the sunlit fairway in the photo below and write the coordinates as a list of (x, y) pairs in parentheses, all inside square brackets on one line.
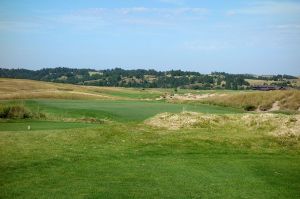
[(119, 110), (103, 148)]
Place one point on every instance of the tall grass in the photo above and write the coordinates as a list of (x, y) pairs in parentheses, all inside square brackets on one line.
[(288, 100), (18, 111), (9, 111)]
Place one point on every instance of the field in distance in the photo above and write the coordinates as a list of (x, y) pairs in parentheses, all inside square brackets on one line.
[(67, 141)]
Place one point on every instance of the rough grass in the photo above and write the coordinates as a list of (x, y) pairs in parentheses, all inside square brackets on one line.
[(275, 124), (288, 100), (17, 111)]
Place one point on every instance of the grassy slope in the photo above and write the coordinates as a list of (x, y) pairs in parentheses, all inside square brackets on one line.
[(11, 89), (30, 89)]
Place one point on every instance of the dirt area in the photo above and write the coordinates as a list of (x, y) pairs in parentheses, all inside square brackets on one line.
[(275, 106)]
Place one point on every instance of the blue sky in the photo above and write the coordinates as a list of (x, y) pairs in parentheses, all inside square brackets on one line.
[(236, 36)]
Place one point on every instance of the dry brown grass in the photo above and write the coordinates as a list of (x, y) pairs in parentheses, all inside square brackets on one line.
[(175, 121), (274, 124), (288, 100), (28, 89), (255, 82)]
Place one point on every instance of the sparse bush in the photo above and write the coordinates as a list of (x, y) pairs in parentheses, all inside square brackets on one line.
[(249, 107), (4, 110), (14, 112), (265, 107)]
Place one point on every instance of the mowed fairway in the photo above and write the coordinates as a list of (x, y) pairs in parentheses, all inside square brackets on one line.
[(119, 110), (69, 155)]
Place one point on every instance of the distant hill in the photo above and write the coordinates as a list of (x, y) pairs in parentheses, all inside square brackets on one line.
[(150, 78), (11, 89)]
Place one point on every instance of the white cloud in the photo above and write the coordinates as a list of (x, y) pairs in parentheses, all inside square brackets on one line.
[(141, 10), (268, 8), (95, 18), (18, 25), (202, 45), (132, 16), (287, 26), (289, 31), (175, 2)]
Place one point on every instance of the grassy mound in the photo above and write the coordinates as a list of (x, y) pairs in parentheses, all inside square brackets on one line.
[(287, 100), (175, 121), (276, 124)]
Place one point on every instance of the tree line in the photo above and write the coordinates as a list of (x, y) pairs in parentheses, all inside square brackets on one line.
[(140, 78)]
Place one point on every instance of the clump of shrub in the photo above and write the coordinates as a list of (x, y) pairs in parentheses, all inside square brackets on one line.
[(249, 107), (265, 106), (17, 111), (14, 112)]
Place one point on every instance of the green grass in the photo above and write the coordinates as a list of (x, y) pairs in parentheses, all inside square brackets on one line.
[(39, 125), (125, 158), (133, 93), (133, 161), (135, 111)]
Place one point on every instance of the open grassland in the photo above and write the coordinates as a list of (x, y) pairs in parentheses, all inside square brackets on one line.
[(11, 89), (123, 146)]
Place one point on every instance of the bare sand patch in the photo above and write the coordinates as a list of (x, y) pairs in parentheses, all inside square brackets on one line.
[(189, 96), (275, 106)]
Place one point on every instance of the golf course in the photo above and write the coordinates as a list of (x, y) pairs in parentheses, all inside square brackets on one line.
[(67, 141)]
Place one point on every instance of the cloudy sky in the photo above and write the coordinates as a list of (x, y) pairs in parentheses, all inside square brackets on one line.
[(238, 36)]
